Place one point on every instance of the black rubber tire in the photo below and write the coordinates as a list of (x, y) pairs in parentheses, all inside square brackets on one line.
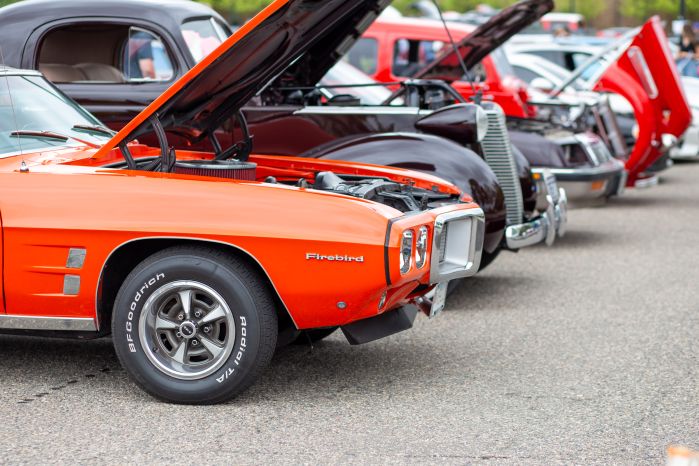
[(249, 299), (313, 336)]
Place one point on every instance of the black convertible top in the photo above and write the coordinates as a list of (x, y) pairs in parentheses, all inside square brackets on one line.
[(18, 21)]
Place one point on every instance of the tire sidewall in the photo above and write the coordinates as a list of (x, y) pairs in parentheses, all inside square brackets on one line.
[(128, 308)]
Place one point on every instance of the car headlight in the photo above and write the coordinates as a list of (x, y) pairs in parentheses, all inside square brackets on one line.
[(481, 124), (406, 251), (421, 247)]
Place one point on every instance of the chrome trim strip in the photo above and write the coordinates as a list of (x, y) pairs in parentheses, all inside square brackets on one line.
[(608, 168), (413, 111), (69, 324)]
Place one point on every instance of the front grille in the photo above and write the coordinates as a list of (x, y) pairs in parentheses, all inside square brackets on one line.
[(497, 151), (443, 243)]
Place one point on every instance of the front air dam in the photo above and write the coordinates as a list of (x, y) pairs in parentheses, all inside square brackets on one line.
[(383, 325)]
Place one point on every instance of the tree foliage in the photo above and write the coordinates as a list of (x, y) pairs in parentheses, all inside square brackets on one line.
[(237, 11)]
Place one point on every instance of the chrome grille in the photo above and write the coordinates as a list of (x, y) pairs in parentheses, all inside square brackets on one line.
[(497, 151), (443, 243)]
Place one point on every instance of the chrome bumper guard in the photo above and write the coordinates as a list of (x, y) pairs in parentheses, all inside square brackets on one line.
[(545, 228), (457, 245)]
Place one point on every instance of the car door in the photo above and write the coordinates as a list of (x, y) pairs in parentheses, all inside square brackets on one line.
[(112, 67)]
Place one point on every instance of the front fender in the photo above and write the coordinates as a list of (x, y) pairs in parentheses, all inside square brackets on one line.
[(433, 155)]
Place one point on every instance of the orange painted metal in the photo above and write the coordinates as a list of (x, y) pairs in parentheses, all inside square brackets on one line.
[(53, 208), (66, 199)]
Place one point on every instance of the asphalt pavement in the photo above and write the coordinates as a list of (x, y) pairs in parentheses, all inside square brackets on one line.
[(585, 352)]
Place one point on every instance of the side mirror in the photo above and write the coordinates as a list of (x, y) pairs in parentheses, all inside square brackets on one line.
[(542, 84)]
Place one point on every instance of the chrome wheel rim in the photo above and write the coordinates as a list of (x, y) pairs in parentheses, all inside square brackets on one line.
[(187, 330)]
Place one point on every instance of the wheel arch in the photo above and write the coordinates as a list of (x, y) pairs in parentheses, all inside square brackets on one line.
[(125, 257)]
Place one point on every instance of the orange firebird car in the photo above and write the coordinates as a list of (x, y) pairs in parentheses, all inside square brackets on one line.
[(200, 263)]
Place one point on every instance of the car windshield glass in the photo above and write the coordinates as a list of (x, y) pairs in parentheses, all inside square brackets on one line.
[(30, 106), (502, 64), (203, 36), (344, 73), (559, 74)]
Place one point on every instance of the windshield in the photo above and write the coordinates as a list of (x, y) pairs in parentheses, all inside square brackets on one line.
[(344, 73), (203, 36), (559, 74), (502, 64), (29, 104)]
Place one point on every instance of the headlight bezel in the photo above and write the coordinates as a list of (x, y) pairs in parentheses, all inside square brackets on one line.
[(407, 251), (421, 246)]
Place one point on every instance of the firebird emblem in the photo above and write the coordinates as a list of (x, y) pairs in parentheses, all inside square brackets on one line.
[(336, 258)]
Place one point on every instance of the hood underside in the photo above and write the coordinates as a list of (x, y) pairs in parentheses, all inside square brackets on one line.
[(290, 39), (484, 39)]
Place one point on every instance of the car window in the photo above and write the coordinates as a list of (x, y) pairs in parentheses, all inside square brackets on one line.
[(411, 55), (31, 110), (550, 55), (202, 36), (145, 58), (579, 58), (525, 74), (364, 55), (104, 53), (344, 73)]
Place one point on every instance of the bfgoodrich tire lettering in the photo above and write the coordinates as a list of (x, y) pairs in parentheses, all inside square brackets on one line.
[(194, 325)]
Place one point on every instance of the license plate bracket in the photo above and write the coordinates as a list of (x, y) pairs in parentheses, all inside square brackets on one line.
[(439, 300)]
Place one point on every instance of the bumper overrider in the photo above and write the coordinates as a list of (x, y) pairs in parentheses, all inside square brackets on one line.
[(423, 253), (553, 202)]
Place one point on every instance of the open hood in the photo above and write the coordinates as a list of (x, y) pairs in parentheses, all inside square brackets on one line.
[(297, 38), (484, 39), (646, 75)]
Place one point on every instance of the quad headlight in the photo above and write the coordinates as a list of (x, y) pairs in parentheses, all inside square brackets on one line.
[(421, 247), (406, 251)]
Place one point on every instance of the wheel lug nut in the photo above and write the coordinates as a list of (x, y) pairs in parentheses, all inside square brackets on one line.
[(195, 342), (197, 314), (180, 316), (207, 329), (179, 335)]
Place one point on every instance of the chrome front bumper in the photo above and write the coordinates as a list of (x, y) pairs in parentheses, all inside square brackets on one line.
[(598, 182), (553, 222)]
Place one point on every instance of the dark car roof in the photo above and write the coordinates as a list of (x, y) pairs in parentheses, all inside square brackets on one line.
[(19, 20)]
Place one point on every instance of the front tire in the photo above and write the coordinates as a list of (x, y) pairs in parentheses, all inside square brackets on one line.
[(194, 325)]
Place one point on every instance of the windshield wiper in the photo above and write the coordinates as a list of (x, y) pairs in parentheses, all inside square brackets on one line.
[(52, 135), (39, 134), (94, 129)]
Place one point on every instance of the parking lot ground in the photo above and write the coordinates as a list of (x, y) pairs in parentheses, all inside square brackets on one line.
[(585, 352)]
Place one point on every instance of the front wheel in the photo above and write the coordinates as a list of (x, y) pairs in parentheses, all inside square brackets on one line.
[(194, 325)]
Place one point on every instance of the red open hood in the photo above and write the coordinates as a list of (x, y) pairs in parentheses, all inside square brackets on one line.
[(645, 74)]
